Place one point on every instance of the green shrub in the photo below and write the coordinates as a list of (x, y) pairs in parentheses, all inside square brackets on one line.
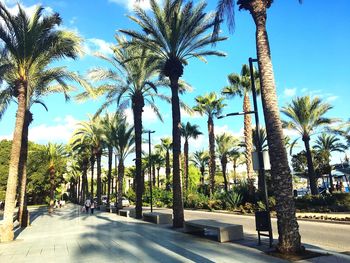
[(233, 199), (337, 202)]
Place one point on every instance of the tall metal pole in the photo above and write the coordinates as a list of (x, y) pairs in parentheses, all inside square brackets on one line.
[(259, 146)]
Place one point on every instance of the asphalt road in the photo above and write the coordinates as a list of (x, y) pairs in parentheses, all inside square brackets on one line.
[(328, 236)]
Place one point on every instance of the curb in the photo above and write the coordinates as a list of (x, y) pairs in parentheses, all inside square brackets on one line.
[(251, 215)]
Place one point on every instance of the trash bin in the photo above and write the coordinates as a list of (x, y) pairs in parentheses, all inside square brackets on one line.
[(262, 221)]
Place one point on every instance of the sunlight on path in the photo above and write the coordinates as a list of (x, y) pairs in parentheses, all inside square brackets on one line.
[(71, 236)]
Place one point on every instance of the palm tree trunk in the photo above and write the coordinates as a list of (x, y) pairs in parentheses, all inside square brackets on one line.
[(178, 209), (92, 167), (116, 173), (331, 187), (99, 182), (52, 188), (186, 163), (202, 178), (85, 186), (223, 166), (121, 169), (212, 164), (7, 225), (248, 139), (289, 240), (78, 191), (310, 166), (167, 170), (22, 171), (110, 157), (158, 168), (137, 107)]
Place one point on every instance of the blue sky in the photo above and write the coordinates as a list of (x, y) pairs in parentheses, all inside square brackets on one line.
[(309, 44)]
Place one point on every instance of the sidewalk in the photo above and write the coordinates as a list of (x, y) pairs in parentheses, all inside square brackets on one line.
[(71, 236)]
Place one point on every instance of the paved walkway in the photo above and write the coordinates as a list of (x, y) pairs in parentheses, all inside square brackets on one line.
[(71, 236)]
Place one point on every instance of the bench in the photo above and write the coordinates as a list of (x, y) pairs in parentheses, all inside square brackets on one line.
[(127, 212), (158, 218), (226, 232)]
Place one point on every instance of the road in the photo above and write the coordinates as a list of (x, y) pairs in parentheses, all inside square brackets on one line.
[(333, 237)]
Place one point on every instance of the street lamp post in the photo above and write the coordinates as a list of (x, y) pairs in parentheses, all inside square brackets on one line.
[(259, 150), (150, 165)]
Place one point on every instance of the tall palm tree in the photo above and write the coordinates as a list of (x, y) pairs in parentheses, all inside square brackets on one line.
[(306, 116), (159, 162), (201, 160), (129, 80), (109, 123), (56, 155), (262, 141), (188, 131), (175, 33), (211, 106), (81, 151), (125, 145), (30, 41), (237, 159), (91, 133), (325, 145), (289, 240), (166, 146), (240, 85), (43, 82), (226, 147)]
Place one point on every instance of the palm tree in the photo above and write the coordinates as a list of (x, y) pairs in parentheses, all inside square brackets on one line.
[(165, 146), (30, 41), (175, 33), (43, 82), (236, 158), (307, 115), (262, 140), (109, 125), (188, 131), (56, 155), (211, 106), (201, 160), (226, 147), (125, 145), (91, 133), (129, 80), (81, 151), (325, 145), (158, 161), (240, 85), (289, 240)]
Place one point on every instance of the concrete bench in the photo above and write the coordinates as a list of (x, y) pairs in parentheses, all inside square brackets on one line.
[(127, 212), (158, 218), (226, 232)]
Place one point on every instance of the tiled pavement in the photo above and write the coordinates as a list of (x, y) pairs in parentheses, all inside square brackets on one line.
[(72, 236)]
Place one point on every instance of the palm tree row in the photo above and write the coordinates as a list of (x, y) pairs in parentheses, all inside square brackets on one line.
[(153, 57)]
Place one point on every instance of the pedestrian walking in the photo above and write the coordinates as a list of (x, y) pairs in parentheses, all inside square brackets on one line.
[(92, 207), (87, 205)]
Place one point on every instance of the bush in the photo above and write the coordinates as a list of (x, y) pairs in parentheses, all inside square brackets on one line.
[(196, 200), (233, 199), (337, 202)]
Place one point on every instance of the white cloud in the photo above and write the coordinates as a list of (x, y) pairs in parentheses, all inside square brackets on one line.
[(290, 133), (148, 116), (198, 144), (130, 4), (225, 129), (290, 92), (332, 98), (59, 132), (95, 45), (6, 137), (185, 114)]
